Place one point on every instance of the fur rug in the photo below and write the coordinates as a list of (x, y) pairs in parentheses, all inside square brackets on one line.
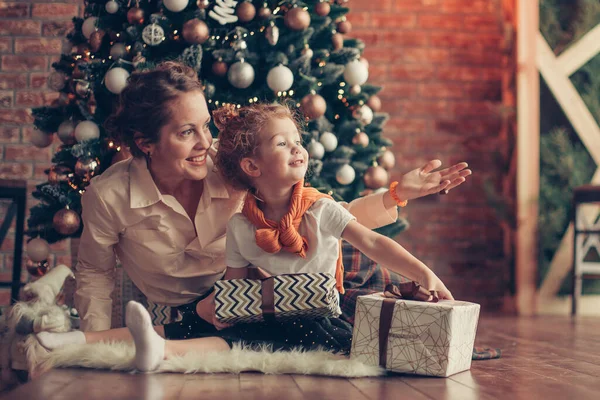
[(118, 356)]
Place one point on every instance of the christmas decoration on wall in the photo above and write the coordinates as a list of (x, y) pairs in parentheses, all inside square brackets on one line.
[(116, 79), (41, 139), (375, 177), (175, 5), (37, 269), (153, 35), (313, 106), (345, 175), (241, 74), (297, 19), (86, 130), (66, 221), (38, 250), (224, 12), (195, 31), (280, 78), (245, 11)]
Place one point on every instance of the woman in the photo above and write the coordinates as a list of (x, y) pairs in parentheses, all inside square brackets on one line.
[(164, 212)]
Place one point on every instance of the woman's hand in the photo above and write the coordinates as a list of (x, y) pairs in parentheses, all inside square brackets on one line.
[(424, 181), (206, 310), (431, 282)]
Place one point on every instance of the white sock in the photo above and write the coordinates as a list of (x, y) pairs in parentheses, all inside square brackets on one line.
[(149, 346), (54, 340)]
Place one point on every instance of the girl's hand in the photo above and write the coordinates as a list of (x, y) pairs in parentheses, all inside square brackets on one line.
[(206, 310), (424, 181), (432, 282)]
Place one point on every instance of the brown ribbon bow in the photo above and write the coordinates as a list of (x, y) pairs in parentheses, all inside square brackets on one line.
[(408, 291)]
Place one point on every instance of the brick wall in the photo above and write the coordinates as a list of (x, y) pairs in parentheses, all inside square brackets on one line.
[(439, 62), (31, 34)]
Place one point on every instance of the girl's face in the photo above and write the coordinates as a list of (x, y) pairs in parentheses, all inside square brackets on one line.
[(184, 142), (281, 158)]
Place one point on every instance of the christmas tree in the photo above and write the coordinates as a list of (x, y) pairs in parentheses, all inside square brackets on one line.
[(244, 52)]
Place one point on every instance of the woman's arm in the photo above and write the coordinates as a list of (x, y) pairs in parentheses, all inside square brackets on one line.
[(393, 256), (96, 262)]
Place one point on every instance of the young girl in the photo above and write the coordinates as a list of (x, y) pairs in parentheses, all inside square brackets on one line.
[(284, 228)]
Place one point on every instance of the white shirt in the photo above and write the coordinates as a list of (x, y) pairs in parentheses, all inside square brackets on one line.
[(322, 225)]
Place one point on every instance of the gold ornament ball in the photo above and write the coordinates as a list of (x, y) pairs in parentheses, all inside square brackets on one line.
[(87, 167), (344, 27), (195, 31), (135, 15), (245, 11), (59, 173), (56, 80), (36, 268), (96, 40), (313, 106), (337, 40), (66, 221), (220, 68), (38, 250), (202, 4), (374, 103), (322, 9), (361, 139), (387, 160), (375, 177), (297, 19), (264, 12)]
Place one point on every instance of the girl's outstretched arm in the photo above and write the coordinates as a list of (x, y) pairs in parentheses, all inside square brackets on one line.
[(393, 256)]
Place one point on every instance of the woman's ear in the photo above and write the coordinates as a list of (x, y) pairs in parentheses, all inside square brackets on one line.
[(143, 144), (250, 168)]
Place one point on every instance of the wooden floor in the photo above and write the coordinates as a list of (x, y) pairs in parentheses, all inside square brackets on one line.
[(544, 357)]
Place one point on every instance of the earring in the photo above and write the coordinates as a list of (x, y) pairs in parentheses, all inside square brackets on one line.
[(148, 157)]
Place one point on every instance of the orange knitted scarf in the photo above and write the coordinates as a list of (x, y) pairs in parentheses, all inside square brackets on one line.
[(272, 236)]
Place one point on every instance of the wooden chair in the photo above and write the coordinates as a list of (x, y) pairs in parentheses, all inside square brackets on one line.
[(585, 238)]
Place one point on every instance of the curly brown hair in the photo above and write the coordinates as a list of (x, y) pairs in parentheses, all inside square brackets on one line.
[(239, 137), (143, 104)]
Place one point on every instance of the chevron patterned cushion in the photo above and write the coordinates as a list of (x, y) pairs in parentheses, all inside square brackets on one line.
[(310, 295)]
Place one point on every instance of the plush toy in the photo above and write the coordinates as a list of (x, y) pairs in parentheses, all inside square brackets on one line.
[(38, 312)]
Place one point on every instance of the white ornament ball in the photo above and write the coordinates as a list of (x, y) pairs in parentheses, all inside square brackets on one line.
[(280, 78), (364, 114), (41, 139), (175, 5), (66, 131), (316, 150), (356, 73), (111, 7), (329, 141), (241, 75), (118, 51), (116, 79), (153, 35), (345, 175), (38, 250), (86, 130), (89, 26)]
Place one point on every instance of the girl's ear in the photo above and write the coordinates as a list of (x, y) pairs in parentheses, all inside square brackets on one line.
[(250, 168), (143, 144)]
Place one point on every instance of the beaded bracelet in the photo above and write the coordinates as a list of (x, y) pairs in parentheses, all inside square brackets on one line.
[(400, 203)]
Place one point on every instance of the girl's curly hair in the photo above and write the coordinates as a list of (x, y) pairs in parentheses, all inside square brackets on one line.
[(239, 137)]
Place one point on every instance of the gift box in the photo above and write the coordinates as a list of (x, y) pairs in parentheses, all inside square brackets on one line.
[(310, 295), (415, 337)]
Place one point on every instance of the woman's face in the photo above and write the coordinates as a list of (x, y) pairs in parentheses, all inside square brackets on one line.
[(183, 143)]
